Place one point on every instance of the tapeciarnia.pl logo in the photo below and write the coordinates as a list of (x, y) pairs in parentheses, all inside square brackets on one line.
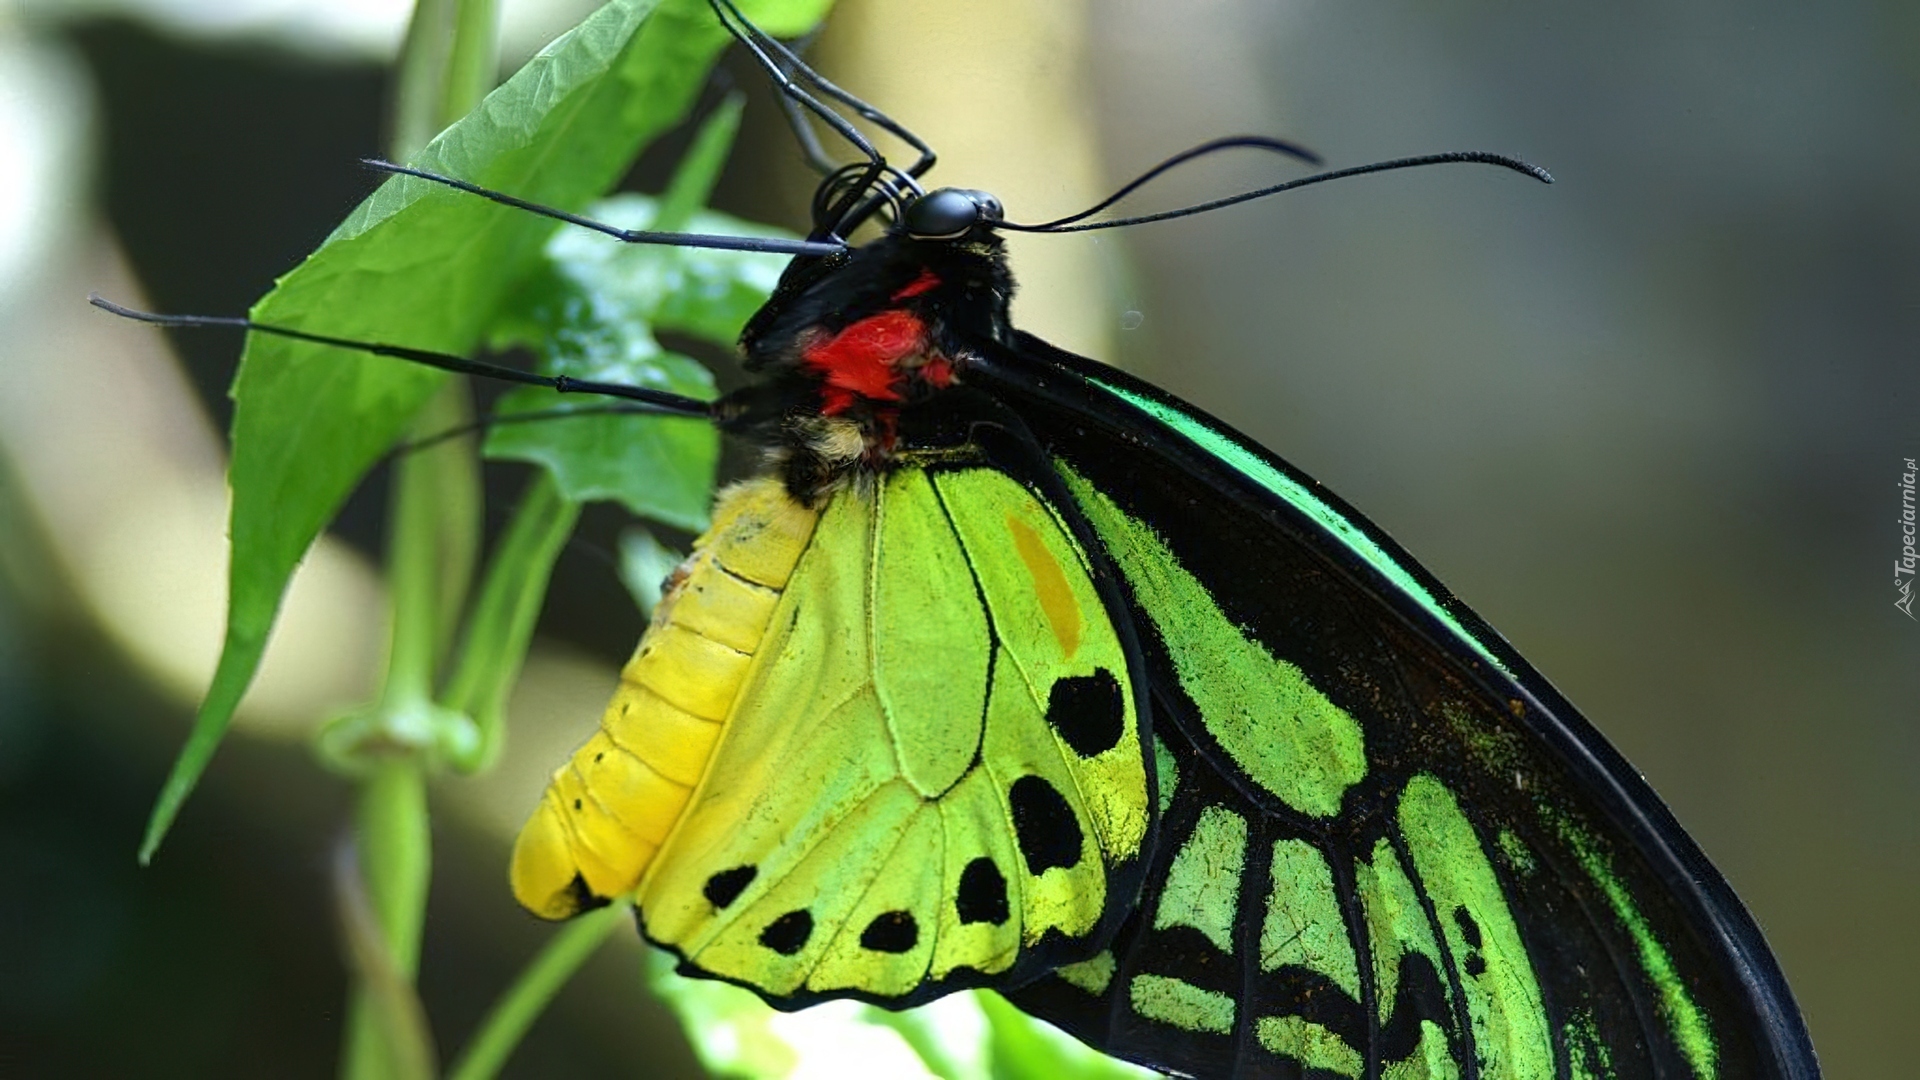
[(1903, 566)]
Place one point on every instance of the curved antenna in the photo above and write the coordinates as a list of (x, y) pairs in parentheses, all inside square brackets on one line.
[(662, 402), (843, 217), (758, 43), (767, 245), (1228, 142), (811, 149), (844, 179), (855, 202), (1455, 157), (860, 201), (762, 44)]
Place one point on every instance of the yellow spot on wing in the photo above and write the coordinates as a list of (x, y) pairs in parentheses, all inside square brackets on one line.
[(1049, 585)]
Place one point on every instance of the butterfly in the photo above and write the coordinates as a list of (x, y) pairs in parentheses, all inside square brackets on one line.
[(1009, 670)]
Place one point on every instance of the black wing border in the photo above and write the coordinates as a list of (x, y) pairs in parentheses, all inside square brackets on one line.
[(1028, 367)]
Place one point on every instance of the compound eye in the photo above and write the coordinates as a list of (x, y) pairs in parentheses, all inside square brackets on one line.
[(946, 214)]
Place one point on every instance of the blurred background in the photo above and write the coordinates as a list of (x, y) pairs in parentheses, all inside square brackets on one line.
[(1649, 421)]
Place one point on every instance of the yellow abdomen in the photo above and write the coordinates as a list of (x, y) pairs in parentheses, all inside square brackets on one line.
[(606, 811)]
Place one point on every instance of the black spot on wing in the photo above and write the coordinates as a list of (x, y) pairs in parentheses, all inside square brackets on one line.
[(983, 894), (788, 934), (1089, 711), (1474, 965), (1044, 825), (891, 932), (1420, 995), (726, 886), (1469, 929)]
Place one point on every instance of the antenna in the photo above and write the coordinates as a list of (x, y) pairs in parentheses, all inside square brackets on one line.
[(657, 401), (769, 245), (1072, 222)]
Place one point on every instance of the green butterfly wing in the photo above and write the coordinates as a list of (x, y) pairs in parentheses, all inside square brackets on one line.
[(1387, 848), (933, 774)]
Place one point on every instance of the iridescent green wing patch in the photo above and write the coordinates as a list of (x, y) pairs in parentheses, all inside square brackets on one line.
[(1257, 950), (1367, 865)]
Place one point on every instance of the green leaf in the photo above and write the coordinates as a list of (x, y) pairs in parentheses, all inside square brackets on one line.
[(966, 1036), (731, 1030), (591, 314), (504, 613), (381, 894), (419, 265), (661, 468), (694, 179)]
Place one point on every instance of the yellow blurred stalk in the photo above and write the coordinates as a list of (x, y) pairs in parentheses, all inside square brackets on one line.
[(114, 470), (126, 478)]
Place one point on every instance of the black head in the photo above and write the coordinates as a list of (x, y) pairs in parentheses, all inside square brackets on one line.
[(950, 213)]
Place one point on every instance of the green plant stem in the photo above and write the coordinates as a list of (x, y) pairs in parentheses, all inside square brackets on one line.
[(451, 57), (422, 66), (429, 559), (448, 65), (523, 1002), (393, 836), (391, 823), (474, 62), (396, 855), (505, 611), (435, 532)]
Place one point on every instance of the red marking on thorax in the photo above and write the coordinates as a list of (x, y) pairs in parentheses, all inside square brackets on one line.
[(858, 362), (926, 282)]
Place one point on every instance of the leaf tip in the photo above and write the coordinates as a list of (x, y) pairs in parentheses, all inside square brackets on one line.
[(157, 825)]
